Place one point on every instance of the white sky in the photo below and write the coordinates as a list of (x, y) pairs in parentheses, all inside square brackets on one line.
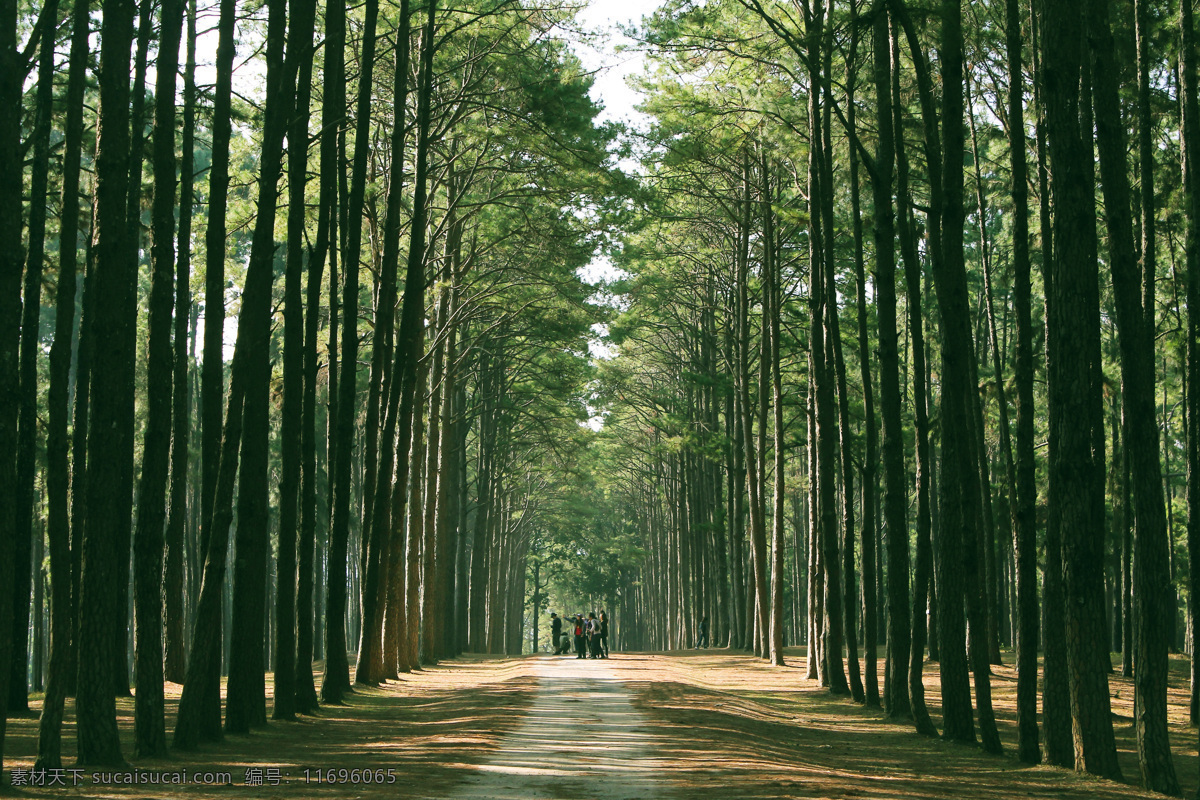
[(613, 68)]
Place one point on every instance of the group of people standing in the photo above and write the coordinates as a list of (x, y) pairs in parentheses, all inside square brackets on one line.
[(591, 635)]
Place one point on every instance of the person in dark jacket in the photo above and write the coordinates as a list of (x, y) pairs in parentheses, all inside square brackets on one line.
[(702, 640), (556, 633), (603, 635), (580, 640)]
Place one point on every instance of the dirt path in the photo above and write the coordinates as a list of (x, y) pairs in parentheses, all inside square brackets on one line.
[(581, 738)]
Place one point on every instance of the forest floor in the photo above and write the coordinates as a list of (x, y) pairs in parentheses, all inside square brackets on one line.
[(696, 724), (736, 727), (425, 730)]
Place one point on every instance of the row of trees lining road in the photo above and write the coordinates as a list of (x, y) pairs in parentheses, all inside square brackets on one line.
[(294, 353), (906, 355), (294, 346)]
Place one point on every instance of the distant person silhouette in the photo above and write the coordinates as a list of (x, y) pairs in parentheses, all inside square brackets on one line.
[(580, 641), (702, 641), (603, 635), (556, 633), (593, 635)]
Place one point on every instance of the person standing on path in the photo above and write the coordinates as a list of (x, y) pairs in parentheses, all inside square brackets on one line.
[(580, 641), (556, 633), (603, 635), (593, 635), (703, 639)]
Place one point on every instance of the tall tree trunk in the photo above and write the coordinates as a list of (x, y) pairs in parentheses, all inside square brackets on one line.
[(336, 681), (1191, 207), (1067, 320), (212, 372), (896, 697), (333, 109), (771, 308), (1025, 488), (150, 736), (18, 688), (127, 365), (174, 663), (62, 604), (1135, 333), (870, 455), (11, 260), (300, 58), (371, 666), (102, 573), (912, 279), (245, 705)]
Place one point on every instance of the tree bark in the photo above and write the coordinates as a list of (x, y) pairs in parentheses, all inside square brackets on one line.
[(175, 663), (150, 736), (62, 602), (1069, 380), (99, 744)]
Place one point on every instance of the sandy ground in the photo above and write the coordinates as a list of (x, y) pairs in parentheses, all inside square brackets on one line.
[(581, 737), (699, 724), (736, 727), (416, 737)]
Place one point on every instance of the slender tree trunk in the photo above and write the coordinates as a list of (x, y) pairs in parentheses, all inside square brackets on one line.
[(336, 681), (150, 736), (11, 261), (212, 371), (300, 58), (896, 697), (245, 704), (62, 604), (912, 276), (18, 687), (1025, 488), (1191, 206), (174, 663), (1067, 321), (870, 456), (1135, 333), (771, 309), (102, 573)]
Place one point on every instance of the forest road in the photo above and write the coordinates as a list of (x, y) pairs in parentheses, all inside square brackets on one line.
[(581, 738)]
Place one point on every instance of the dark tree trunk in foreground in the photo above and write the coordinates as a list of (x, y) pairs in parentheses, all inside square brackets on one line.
[(245, 705), (150, 737), (175, 663), (1191, 206), (1025, 488), (1068, 318), (103, 573), (896, 697), (333, 111), (300, 59), (958, 564), (923, 570), (11, 259), (372, 664), (1095, 748), (212, 372), (62, 603), (18, 686), (870, 456), (336, 681)]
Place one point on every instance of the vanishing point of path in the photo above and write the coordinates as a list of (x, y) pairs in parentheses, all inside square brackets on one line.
[(581, 737)]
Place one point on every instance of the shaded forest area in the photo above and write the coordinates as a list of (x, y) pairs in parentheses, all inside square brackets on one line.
[(296, 353), (291, 315), (906, 355)]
